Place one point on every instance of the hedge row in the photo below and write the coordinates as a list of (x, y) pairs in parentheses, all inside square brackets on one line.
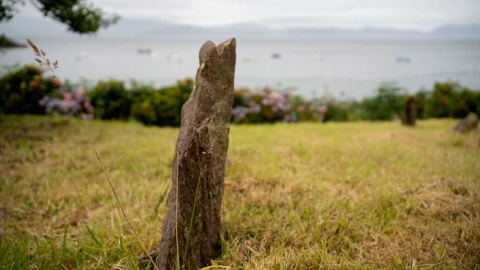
[(26, 91)]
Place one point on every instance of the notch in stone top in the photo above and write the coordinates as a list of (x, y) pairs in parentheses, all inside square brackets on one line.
[(231, 44), (214, 81), (206, 51), (209, 48)]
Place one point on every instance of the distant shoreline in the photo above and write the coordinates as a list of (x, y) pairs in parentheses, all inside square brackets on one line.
[(8, 43)]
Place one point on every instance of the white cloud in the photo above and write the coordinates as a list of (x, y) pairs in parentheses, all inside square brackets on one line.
[(405, 14)]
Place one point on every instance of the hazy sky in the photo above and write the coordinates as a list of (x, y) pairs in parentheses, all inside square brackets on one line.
[(399, 14)]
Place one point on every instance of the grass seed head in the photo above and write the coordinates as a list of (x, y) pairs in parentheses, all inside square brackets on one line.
[(34, 47)]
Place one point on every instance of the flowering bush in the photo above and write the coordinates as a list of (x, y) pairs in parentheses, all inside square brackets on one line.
[(266, 105), (309, 110), (22, 89), (263, 105), (25, 91), (71, 101)]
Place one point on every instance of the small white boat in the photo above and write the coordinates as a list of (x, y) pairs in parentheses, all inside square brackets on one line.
[(170, 56), (82, 55), (319, 57), (248, 58)]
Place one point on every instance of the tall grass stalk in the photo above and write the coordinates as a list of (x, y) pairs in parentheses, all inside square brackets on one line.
[(193, 212), (176, 213)]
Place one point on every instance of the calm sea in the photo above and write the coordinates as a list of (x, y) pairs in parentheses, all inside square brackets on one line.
[(343, 68)]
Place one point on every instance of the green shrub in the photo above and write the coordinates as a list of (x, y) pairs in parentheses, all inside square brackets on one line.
[(162, 107), (421, 98), (142, 110), (442, 100), (341, 110), (111, 100), (450, 99), (387, 103), (22, 89)]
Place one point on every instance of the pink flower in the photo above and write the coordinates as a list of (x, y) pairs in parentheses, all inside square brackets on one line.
[(34, 83), (67, 96), (80, 91), (183, 83)]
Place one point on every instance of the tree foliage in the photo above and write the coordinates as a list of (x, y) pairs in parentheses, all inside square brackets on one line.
[(80, 16)]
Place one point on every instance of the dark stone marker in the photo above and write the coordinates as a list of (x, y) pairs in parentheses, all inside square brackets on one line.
[(195, 199), (409, 114), (467, 124)]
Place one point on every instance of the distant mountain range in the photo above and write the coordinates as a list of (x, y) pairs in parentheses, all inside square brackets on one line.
[(150, 28), (153, 28)]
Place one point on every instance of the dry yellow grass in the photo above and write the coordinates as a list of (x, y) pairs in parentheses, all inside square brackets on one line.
[(303, 196)]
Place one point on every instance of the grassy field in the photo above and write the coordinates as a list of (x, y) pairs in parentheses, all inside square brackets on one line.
[(302, 196)]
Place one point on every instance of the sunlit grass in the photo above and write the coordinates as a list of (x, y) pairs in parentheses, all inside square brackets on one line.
[(303, 196)]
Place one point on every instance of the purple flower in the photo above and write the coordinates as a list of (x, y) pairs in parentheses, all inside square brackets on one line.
[(71, 101)]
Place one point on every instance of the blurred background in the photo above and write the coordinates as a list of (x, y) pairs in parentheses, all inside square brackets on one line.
[(366, 193), (320, 51)]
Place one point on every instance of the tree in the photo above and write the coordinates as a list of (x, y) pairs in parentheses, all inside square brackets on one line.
[(80, 16)]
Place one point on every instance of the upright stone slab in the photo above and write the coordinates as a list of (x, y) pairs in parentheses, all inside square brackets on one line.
[(195, 199), (409, 114), (469, 123)]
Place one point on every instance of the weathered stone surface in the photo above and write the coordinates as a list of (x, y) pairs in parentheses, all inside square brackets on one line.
[(199, 164), (409, 114), (470, 122)]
